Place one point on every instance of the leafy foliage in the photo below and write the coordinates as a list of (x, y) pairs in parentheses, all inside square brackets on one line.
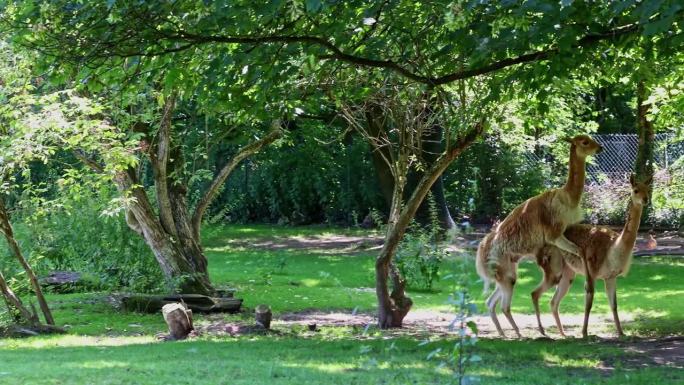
[(108, 255), (421, 253)]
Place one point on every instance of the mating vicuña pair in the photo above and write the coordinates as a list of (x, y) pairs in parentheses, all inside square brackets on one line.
[(536, 223)]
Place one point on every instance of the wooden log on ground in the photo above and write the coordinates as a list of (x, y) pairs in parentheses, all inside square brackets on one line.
[(62, 281), (195, 302), (179, 320), (19, 331), (263, 316)]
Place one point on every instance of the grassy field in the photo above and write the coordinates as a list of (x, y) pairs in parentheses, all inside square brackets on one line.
[(104, 346)]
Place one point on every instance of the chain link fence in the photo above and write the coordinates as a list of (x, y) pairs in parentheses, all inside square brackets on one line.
[(608, 174), (619, 154)]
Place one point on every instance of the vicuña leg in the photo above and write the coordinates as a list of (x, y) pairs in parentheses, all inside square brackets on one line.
[(552, 268), (506, 298), (493, 299), (611, 293), (588, 302), (547, 282), (561, 291)]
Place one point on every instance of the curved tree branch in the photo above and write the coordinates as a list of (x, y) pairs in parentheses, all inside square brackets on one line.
[(223, 174), (337, 54)]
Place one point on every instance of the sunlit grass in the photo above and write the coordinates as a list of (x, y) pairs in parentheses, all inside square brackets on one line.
[(105, 346)]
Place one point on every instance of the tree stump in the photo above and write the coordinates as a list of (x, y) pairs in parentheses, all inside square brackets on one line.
[(263, 316), (179, 320)]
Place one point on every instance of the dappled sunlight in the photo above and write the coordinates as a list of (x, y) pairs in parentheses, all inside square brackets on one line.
[(310, 282), (341, 367), (332, 368), (664, 293), (525, 280), (650, 313), (74, 341), (99, 364), (556, 360)]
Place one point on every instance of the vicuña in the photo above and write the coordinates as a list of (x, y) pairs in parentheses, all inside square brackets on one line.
[(537, 222), (606, 255)]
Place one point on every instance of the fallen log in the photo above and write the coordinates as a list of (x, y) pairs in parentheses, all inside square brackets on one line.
[(196, 302), (19, 331)]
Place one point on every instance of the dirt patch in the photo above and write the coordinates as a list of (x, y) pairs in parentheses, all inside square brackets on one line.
[(668, 243), (326, 244), (668, 351), (440, 322), (653, 352), (639, 353)]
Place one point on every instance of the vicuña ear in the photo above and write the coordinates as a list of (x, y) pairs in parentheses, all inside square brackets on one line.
[(632, 179)]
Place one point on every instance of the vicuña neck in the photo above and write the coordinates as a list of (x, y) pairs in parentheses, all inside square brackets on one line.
[(576, 174), (629, 232)]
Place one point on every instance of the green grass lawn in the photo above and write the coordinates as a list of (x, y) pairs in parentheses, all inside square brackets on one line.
[(104, 346)]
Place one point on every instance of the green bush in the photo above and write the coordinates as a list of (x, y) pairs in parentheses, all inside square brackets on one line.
[(420, 253), (80, 237)]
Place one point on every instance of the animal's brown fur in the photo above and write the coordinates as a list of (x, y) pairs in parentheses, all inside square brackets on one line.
[(606, 255), (539, 221)]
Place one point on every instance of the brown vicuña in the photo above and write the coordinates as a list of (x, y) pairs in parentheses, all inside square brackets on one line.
[(537, 222), (609, 255)]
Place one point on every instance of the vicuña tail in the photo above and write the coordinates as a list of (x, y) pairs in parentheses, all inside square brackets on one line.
[(481, 262)]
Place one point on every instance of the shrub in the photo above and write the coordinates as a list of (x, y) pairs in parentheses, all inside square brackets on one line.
[(81, 237), (606, 202), (420, 253)]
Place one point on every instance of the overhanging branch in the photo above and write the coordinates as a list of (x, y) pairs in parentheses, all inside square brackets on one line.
[(335, 53)]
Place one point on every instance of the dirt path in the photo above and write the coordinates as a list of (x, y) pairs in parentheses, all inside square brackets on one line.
[(668, 351), (668, 243), (439, 322), (640, 352), (325, 244)]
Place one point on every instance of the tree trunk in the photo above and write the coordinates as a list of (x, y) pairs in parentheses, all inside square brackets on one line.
[(14, 302), (6, 229), (171, 232), (392, 308), (179, 320), (263, 316), (179, 256), (220, 178), (643, 166)]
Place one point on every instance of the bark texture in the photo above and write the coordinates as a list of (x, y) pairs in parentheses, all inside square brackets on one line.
[(179, 320)]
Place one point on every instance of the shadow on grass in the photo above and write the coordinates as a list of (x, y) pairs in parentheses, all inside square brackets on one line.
[(319, 361)]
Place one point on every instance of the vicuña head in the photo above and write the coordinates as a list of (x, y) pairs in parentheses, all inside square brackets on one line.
[(584, 146), (640, 190)]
